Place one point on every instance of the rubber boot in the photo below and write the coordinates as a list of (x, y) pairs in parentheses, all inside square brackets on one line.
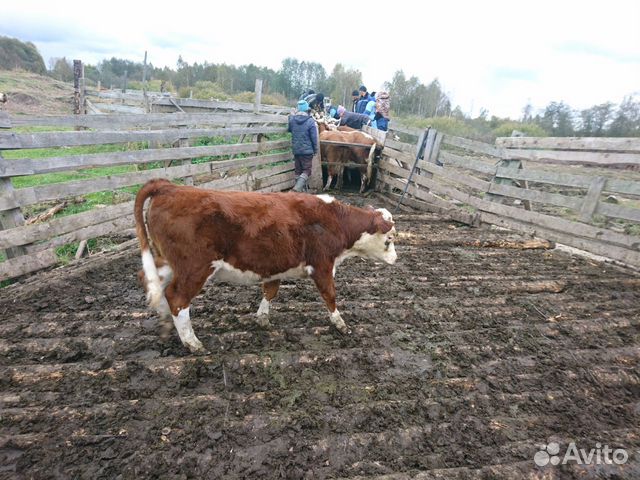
[(301, 183)]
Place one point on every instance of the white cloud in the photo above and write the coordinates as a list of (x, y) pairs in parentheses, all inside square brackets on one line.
[(493, 54)]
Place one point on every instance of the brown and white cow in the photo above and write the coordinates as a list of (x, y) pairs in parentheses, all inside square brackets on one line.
[(249, 238), (338, 155)]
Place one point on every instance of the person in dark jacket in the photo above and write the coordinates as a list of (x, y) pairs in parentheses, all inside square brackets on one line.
[(355, 96), (351, 119), (304, 139), (363, 100)]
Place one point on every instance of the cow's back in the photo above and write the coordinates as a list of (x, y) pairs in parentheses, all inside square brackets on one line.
[(262, 233)]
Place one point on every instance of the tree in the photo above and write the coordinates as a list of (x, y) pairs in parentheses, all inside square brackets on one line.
[(341, 83), (558, 119), (62, 69), (527, 113), (627, 119), (15, 54)]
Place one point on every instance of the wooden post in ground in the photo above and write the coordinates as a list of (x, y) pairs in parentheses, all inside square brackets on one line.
[(78, 106), (10, 218), (144, 85), (258, 98), (315, 182)]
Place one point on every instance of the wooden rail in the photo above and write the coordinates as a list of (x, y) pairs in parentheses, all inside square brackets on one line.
[(471, 176), (161, 149)]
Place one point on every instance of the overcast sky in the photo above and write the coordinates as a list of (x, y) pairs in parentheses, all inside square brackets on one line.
[(490, 54)]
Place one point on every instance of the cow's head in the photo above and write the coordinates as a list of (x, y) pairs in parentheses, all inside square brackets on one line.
[(380, 244)]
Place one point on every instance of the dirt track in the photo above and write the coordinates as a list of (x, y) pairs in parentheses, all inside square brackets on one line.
[(463, 361)]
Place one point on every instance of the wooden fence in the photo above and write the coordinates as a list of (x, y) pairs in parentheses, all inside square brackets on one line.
[(527, 185), (134, 101), (164, 147)]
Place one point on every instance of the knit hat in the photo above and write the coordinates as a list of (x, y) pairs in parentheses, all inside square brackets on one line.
[(362, 88), (303, 106), (341, 110), (355, 93)]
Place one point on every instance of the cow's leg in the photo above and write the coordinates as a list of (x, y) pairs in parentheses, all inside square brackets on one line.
[(179, 294), (269, 290), (329, 178), (340, 180), (363, 182), (323, 279)]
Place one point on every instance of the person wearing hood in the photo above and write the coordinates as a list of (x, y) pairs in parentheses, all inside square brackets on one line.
[(382, 111), (304, 139)]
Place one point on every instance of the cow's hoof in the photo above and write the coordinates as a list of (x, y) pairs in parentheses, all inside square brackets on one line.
[(197, 348), (343, 329), (263, 321)]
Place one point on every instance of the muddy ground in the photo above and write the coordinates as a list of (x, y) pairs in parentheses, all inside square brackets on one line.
[(465, 358)]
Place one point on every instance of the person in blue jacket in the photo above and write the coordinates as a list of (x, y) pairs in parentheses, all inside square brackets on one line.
[(304, 139), (364, 99), (370, 110)]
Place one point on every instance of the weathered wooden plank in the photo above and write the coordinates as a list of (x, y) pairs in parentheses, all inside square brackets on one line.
[(249, 179), (158, 120), (590, 202), (11, 141), (618, 211), (430, 202), (622, 144), (469, 163), (28, 166), (5, 120), (473, 145), (401, 146), (27, 234), (117, 108), (116, 225), (400, 156), (536, 196), (27, 264), (29, 196), (192, 103), (13, 217), (416, 132), (546, 221), (604, 249), (574, 157), (569, 180), (455, 177)]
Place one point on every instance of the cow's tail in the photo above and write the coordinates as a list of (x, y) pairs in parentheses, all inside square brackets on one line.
[(372, 154), (155, 293)]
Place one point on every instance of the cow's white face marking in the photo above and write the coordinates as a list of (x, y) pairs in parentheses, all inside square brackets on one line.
[(326, 198), (226, 272), (386, 214), (378, 246), (182, 323)]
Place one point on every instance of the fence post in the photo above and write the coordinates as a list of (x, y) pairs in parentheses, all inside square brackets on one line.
[(315, 182), (591, 199), (10, 218), (78, 87), (258, 99)]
